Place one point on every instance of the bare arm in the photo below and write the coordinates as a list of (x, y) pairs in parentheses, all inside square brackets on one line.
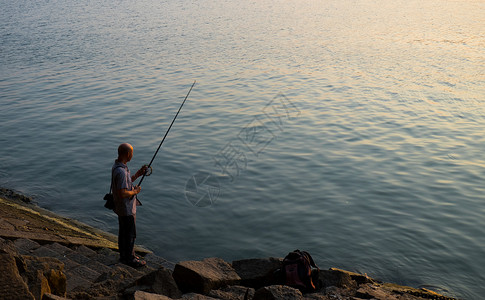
[(139, 173), (124, 193)]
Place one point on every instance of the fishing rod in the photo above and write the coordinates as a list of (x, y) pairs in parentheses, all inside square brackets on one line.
[(166, 133)]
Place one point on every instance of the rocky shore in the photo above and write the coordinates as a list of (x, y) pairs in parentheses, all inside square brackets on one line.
[(44, 256)]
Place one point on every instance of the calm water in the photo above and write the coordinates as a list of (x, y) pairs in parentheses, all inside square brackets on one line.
[(351, 129)]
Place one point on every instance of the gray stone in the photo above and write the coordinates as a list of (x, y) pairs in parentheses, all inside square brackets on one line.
[(57, 282), (110, 284), (204, 276), (39, 285), (359, 278), (111, 297), (75, 282), (257, 272), (372, 292), (116, 280), (337, 278), (318, 296), (234, 292), (169, 265), (154, 261), (103, 289), (106, 251), (6, 225), (107, 257), (43, 263), (12, 286), (116, 273), (97, 266), (36, 269), (44, 251), (140, 295), (159, 282), (77, 257), (85, 251), (277, 292), (134, 273), (195, 296), (58, 248), (84, 272), (68, 264), (53, 297), (26, 246), (7, 246)]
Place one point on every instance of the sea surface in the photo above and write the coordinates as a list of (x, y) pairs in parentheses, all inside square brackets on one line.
[(353, 129)]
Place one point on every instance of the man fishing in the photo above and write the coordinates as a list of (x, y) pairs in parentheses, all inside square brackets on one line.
[(124, 194)]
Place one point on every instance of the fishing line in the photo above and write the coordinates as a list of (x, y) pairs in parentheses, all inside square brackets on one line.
[(149, 166)]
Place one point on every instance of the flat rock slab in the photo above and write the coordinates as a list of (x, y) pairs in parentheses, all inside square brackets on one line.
[(88, 252), (77, 282), (85, 273), (204, 276), (19, 220)]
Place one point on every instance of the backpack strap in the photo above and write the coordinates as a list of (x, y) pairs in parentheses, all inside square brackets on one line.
[(312, 263)]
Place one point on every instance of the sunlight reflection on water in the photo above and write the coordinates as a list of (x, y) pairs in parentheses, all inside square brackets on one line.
[(381, 172)]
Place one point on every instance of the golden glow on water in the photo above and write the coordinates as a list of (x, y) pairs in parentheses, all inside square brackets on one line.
[(388, 146)]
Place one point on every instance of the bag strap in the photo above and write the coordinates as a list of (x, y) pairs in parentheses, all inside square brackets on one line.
[(310, 258), (112, 171)]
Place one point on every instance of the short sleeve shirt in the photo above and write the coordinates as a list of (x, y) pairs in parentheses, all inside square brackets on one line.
[(122, 180)]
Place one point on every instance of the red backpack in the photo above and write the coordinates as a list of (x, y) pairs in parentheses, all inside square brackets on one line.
[(297, 270)]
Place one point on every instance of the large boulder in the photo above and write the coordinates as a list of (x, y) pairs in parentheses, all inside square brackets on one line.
[(43, 275), (337, 278), (159, 282), (57, 281), (257, 272), (111, 282), (277, 292), (12, 286), (204, 276), (39, 285)]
